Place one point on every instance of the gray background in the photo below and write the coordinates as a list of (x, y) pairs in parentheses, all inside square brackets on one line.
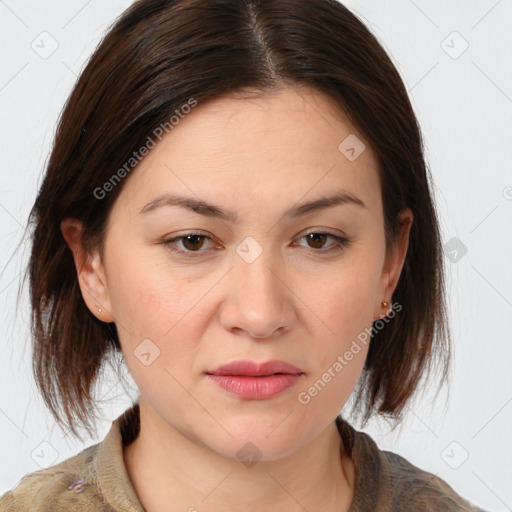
[(455, 60)]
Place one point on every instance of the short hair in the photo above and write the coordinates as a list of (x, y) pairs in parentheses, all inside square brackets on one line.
[(160, 55)]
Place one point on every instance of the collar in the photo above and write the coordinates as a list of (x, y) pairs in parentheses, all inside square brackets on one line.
[(111, 472)]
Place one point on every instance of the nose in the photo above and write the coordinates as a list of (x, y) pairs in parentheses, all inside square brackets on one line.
[(258, 301)]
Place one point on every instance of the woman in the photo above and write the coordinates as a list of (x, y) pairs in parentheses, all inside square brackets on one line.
[(237, 204)]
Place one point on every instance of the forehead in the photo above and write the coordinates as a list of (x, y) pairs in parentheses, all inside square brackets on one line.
[(253, 150)]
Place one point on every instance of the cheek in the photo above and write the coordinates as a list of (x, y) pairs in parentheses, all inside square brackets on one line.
[(344, 301), (157, 313), (142, 304), (148, 299), (161, 332), (344, 305)]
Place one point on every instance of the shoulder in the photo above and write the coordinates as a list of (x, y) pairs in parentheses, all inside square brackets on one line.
[(385, 480), (57, 488), (419, 490)]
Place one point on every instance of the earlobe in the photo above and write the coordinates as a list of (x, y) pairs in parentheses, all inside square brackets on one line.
[(90, 271), (395, 261)]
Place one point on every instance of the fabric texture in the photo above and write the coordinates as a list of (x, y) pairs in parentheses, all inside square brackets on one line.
[(96, 479)]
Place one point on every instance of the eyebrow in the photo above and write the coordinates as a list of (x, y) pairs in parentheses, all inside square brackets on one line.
[(342, 197)]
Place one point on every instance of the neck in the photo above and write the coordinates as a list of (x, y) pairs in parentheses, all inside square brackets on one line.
[(166, 467)]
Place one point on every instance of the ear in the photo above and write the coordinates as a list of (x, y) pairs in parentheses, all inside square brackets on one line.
[(90, 271), (393, 264)]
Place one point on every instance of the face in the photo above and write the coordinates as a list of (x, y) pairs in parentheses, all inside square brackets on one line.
[(256, 276)]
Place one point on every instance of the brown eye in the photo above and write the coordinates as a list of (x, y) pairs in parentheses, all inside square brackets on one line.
[(316, 240), (193, 242), (190, 244)]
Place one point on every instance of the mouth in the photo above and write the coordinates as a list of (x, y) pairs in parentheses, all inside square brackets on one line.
[(255, 381), (255, 369)]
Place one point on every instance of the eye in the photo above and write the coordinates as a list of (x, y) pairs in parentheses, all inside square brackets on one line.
[(194, 244), (316, 240), (190, 243)]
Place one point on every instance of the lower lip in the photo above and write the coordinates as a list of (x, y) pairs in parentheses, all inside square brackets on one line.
[(255, 388)]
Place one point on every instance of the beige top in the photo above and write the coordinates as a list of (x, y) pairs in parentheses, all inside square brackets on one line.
[(96, 479)]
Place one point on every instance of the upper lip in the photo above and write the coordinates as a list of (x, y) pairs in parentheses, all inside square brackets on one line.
[(255, 369)]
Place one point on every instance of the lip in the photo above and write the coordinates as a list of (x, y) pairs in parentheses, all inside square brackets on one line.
[(255, 381), (255, 369)]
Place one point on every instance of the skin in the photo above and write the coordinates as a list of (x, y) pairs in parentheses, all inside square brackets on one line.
[(256, 156)]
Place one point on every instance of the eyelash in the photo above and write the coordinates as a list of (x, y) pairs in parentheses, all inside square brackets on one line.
[(340, 243)]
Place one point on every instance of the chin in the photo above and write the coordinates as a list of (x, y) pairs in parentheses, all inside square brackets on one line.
[(255, 438), (249, 451)]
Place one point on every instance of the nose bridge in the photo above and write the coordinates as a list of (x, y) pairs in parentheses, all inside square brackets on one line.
[(258, 301), (253, 265)]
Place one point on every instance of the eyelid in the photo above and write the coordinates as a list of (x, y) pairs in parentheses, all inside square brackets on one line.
[(340, 241), (325, 231), (180, 235)]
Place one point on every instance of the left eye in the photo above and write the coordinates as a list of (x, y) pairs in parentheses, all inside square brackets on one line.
[(193, 242), (318, 239)]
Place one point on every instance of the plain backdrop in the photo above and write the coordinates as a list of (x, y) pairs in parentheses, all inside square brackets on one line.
[(455, 60)]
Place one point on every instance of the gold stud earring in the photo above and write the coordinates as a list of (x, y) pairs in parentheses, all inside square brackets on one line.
[(385, 304)]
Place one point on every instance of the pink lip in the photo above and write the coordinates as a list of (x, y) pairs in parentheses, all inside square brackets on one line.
[(255, 381)]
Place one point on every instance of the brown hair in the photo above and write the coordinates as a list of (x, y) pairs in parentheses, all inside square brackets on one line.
[(156, 57)]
